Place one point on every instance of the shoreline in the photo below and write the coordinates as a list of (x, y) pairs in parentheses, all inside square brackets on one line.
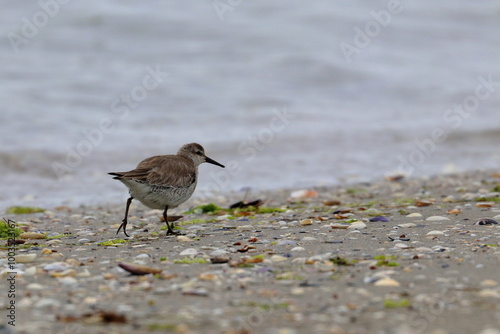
[(389, 256)]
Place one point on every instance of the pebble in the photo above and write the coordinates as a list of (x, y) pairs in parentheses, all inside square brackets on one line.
[(35, 286), (47, 302), (25, 258), (84, 240), (407, 225), (143, 256), (64, 273), (218, 252), (386, 281), (68, 280), (357, 226), (437, 218), (379, 219), (183, 238), (402, 245), (30, 271), (46, 251), (488, 282), (220, 259), (32, 235), (286, 242), (188, 252), (278, 258), (489, 293), (309, 239), (490, 331), (297, 249), (435, 233), (414, 215), (306, 222)]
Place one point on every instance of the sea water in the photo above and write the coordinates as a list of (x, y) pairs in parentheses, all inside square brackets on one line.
[(287, 94)]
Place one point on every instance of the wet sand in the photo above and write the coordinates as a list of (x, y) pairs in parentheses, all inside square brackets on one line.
[(411, 261)]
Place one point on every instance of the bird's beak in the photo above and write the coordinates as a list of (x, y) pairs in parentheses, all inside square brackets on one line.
[(213, 162)]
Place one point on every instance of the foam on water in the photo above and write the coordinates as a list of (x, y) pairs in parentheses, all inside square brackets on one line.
[(227, 80)]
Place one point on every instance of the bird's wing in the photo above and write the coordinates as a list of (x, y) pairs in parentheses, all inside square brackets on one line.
[(164, 170)]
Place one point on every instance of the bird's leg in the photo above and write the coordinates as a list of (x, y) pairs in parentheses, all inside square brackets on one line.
[(125, 221), (170, 230)]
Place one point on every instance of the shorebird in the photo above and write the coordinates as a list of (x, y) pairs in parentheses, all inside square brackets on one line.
[(164, 181)]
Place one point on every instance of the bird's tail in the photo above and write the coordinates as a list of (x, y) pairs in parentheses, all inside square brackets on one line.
[(117, 175)]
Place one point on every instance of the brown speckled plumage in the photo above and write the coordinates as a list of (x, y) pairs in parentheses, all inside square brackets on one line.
[(164, 181)]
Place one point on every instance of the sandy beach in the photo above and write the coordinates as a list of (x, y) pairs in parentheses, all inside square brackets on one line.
[(393, 256)]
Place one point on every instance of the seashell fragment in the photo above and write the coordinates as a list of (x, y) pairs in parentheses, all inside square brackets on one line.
[(136, 269)]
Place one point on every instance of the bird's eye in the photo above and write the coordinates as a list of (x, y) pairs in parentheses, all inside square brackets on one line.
[(199, 153)]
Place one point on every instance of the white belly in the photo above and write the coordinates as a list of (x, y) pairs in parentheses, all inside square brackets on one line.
[(158, 197)]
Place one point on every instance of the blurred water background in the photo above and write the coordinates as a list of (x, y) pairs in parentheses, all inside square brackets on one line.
[(289, 93)]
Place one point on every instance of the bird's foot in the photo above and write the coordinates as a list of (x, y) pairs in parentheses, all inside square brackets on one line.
[(124, 225)]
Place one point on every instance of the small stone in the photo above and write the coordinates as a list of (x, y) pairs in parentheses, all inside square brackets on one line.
[(32, 235), (64, 273), (142, 256), (218, 252), (297, 249), (489, 293), (109, 276), (488, 282), (414, 215), (69, 280), (402, 245), (220, 259), (207, 277), (188, 252), (357, 226), (286, 242), (56, 266), (379, 219), (222, 217), (84, 240), (183, 238), (278, 258), (386, 281), (454, 211), (298, 291), (46, 251), (435, 233), (309, 239), (407, 225), (25, 258), (306, 222), (30, 271), (47, 302), (437, 218), (35, 286)]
